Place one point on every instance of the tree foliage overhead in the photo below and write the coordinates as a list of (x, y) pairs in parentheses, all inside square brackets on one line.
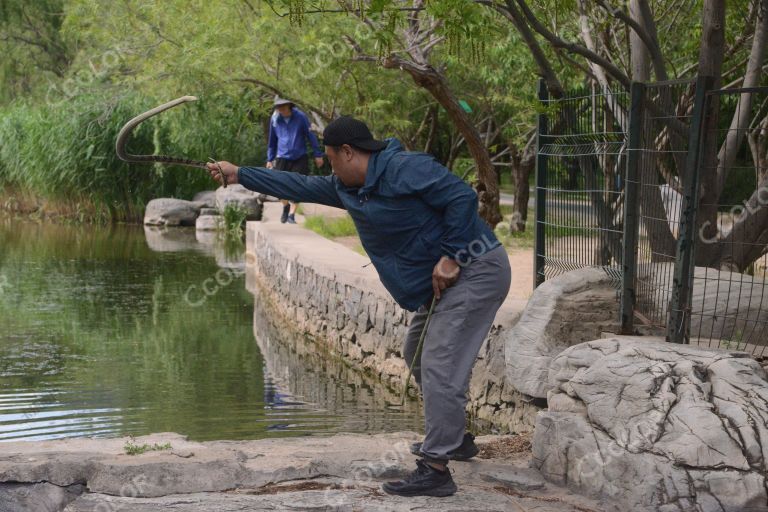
[(456, 78)]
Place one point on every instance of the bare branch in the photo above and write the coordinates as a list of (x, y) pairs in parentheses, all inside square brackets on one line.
[(649, 40), (251, 7), (578, 49), (346, 11), (740, 121)]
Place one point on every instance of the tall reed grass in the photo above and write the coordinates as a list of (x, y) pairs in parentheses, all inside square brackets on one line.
[(65, 152)]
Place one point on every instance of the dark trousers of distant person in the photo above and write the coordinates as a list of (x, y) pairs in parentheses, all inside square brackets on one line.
[(301, 166)]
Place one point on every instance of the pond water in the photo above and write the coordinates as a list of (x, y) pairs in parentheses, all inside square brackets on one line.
[(114, 331)]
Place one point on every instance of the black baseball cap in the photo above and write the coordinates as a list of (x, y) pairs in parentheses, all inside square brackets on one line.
[(348, 130)]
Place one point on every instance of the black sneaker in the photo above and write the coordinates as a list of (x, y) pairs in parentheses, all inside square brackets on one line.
[(424, 481), (466, 451), (291, 219), (284, 217)]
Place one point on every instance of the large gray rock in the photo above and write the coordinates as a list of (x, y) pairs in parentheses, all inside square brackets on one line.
[(520, 479), (171, 212), (566, 310), (206, 198), (730, 305), (240, 196), (40, 496), (654, 426)]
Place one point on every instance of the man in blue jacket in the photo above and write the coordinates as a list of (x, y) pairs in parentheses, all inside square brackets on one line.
[(289, 133), (419, 224)]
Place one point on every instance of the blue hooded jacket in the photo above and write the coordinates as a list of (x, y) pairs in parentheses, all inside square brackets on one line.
[(409, 212), (288, 137)]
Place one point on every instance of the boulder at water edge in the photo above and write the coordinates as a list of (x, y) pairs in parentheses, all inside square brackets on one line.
[(206, 198), (209, 223), (240, 196), (171, 212)]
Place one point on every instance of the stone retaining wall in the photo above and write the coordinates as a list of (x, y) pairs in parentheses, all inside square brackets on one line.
[(333, 295)]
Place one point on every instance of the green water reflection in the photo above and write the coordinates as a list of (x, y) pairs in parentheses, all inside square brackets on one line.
[(101, 335)]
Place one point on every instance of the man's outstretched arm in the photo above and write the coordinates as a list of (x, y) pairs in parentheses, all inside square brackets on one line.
[(285, 185)]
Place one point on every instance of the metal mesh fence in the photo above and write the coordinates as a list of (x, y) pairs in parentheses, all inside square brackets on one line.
[(580, 172), (621, 185), (663, 122), (729, 300)]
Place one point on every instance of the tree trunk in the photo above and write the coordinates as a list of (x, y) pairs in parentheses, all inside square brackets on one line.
[(523, 165), (741, 118), (487, 181), (641, 57), (758, 146), (432, 129), (748, 239), (711, 55), (660, 237)]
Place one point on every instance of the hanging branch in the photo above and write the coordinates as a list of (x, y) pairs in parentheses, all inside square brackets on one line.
[(609, 67)]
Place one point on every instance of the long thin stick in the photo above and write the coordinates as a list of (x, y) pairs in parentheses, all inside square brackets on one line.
[(418, 349), (125, 132)]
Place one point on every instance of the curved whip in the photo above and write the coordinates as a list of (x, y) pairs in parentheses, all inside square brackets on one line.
[(125, 132)]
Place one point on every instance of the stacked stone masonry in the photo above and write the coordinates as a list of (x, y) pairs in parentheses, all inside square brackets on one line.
[(332, 295)]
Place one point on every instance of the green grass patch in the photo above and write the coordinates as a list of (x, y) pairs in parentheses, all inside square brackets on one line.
[(131, 448), (359, 250), (331, 228), (336, 227)]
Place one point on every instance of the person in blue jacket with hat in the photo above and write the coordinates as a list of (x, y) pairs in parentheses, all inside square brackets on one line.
[(419, 224), (289, 132)]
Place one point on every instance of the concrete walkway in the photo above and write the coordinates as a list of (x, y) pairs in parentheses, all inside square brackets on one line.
[(337, 473)]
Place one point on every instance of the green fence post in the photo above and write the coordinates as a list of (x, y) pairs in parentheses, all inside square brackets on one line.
[(678, 325), (631, 209), (541, 190)]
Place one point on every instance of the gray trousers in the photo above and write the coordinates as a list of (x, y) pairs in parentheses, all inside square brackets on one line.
[(459, 324)]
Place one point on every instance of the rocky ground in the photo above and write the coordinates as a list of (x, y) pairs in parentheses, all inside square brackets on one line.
[(338, 473)]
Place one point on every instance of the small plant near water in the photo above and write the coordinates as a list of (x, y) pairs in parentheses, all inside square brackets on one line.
[(234, 217), (131, 448)]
